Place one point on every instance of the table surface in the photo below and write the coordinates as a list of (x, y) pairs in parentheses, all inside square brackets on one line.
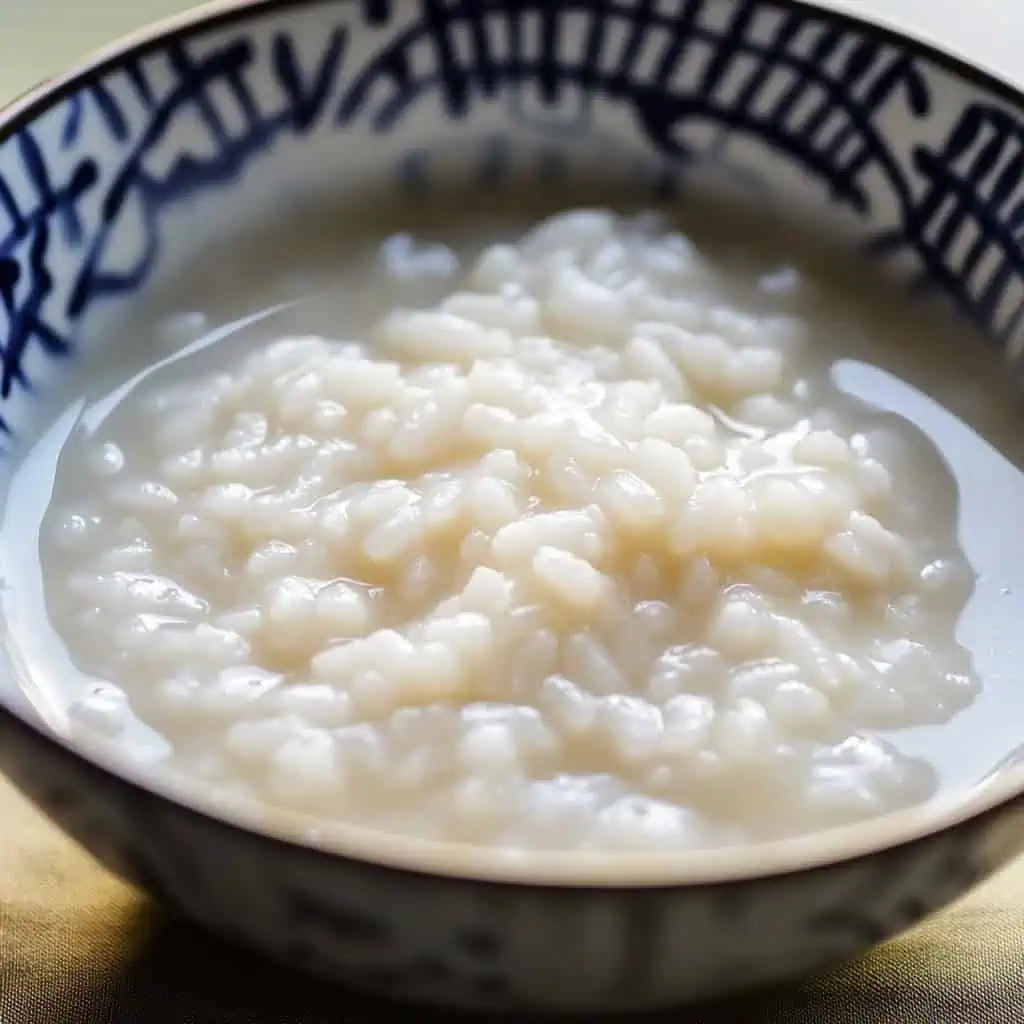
[(78, 947)]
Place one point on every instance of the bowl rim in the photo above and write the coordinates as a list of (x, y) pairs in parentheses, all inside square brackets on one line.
[(528, 868)]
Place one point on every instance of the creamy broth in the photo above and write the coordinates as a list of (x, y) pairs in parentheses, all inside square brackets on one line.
[(621, 533)]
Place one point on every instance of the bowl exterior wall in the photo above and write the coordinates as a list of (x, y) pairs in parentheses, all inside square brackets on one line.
[(482, 945)]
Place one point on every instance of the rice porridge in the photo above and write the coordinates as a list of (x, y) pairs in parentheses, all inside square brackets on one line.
[(580, 555)]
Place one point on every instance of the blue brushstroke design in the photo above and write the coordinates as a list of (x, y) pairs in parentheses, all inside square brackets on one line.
[(808, 88), (971, 184), (304, 97)]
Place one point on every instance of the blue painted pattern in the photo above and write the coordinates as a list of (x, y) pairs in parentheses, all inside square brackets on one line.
[(822, 117), (967, 225), (836, 100)]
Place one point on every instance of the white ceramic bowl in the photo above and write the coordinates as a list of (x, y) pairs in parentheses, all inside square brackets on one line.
[(113, 175)]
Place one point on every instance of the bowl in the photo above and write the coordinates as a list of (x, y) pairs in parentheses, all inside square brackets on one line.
[(116, 175)]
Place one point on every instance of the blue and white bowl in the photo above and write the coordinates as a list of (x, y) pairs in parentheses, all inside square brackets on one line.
[(114, 175)]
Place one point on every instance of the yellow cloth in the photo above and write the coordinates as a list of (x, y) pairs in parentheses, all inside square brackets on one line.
[(78, 947)]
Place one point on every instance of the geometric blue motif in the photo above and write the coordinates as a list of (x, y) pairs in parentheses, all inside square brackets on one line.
[(843, 102)]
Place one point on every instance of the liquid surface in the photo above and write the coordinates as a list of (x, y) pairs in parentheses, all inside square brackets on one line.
[(541, 565)]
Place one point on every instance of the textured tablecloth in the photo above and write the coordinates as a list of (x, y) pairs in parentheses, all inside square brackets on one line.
[(78, 947)]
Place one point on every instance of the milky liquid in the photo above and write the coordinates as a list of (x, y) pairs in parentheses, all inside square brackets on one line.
[(935, 402)]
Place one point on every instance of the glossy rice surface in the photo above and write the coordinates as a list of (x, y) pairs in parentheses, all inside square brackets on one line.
[(581, 556)]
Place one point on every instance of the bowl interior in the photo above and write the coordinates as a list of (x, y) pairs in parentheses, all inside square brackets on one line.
[(232, 165)]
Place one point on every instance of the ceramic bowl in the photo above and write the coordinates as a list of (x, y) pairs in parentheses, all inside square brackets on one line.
[(113, 175)]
